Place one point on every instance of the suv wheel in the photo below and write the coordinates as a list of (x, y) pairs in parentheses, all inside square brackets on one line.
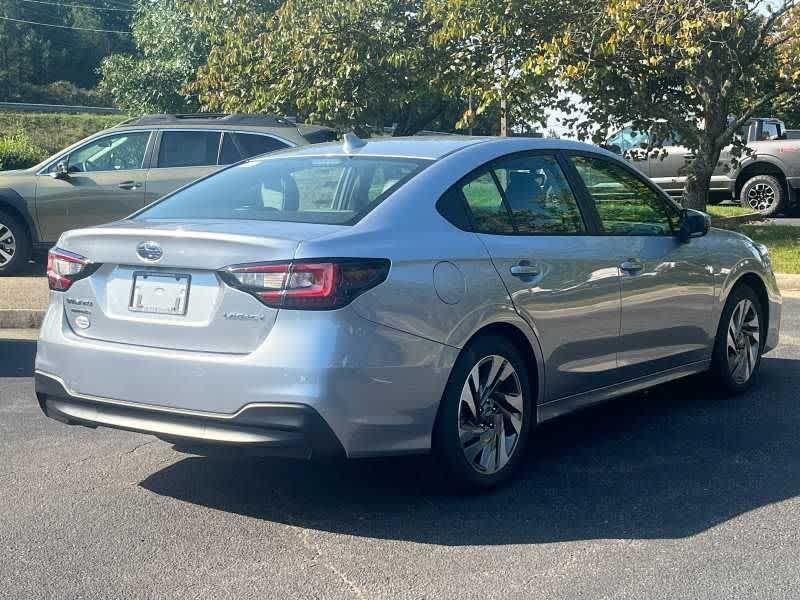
[(15, 243), (486, 414), (762, 193), (740, 340)]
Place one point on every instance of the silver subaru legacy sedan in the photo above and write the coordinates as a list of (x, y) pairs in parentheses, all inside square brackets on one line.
[(397, 296)]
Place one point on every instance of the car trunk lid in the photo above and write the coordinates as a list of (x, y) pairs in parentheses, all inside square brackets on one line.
[(177, 301)]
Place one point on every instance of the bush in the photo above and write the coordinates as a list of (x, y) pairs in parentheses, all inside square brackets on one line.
[(55, 131), (17, 151)]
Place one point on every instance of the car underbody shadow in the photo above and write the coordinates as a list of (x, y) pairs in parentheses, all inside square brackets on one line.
[(667, 463)]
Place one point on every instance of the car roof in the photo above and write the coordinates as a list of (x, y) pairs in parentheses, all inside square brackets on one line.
[(433, 147)]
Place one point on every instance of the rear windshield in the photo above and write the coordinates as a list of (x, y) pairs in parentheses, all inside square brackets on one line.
[(303, 189)]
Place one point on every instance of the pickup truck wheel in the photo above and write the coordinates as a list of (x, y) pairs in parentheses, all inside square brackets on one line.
[(763, 194), (15, 243)]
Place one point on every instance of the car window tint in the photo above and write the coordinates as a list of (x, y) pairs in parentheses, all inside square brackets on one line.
[(384, 177), (303, 189), (230, 153), (110, 153), (538, 195), (188, 148), (253, 145), (486, 206), (625, 203), (770, 131)]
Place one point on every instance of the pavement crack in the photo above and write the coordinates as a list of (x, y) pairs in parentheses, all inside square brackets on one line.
[(314, 548)]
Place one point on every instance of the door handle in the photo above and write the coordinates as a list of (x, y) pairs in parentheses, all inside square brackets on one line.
[(129, 185), (631, 266), (524, 269)]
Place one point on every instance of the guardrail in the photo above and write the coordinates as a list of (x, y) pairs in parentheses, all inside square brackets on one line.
[(56, 108)]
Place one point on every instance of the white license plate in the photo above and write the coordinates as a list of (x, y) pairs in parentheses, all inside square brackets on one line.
[(160, 293)]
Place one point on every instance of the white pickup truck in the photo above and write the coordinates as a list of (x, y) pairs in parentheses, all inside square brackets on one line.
[(766, 180)]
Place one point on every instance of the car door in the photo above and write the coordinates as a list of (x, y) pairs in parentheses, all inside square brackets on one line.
[(105, 181), (667, 163), (557, 274), (182, 156), (667, 285)]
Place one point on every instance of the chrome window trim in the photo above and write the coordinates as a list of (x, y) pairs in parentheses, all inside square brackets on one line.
[(74, 148)]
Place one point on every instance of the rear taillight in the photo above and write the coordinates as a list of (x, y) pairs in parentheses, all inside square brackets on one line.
[(65, 268), (322, 284)]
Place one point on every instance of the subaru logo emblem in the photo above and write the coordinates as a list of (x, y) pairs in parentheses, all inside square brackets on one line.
[(150, 251)]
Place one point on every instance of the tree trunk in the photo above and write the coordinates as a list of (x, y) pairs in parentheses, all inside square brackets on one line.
[(700, 170), (698, 182)]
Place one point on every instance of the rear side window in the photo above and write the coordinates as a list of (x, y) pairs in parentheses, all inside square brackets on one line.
[(238, 146), (526, 194), (486, 206), (188, 148), (304, 189)]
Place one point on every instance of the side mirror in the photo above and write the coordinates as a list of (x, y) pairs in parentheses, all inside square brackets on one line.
[(61, 171), (615, 148), (693, 224)]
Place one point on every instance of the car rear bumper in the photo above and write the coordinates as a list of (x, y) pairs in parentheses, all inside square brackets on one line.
[(276, 430), (376, 388)]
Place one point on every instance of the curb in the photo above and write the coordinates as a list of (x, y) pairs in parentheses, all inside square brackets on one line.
[(788, 283), (721, 222), (21, 318)]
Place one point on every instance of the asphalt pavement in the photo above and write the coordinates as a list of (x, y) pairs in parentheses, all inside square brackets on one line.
[(675, 493)]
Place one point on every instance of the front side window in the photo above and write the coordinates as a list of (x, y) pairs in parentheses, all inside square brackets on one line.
[(625, 203), (188, 148), (121, 152), (770, 131), (303, 189)]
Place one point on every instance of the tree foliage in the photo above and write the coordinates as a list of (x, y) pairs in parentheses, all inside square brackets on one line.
[(489, 43), (352, 63), (34, 56), (170, 49), (702, 67)]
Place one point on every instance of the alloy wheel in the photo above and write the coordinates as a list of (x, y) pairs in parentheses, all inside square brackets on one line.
[(761, 196), (490, 414), (743, 341), (8, 245)]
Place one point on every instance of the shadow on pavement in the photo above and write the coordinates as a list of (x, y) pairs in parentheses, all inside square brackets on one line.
[(665, 464), (17, 358)]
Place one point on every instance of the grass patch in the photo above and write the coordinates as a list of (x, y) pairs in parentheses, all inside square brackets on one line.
[(783, 242), (54, 131), (727, 210)]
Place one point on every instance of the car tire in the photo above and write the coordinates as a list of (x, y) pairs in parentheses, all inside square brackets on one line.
[(473, 450), (740, 341), (764, 194), (15, 243)]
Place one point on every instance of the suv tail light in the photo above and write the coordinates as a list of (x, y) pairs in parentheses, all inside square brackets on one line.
[(65, 268), (323, 284)]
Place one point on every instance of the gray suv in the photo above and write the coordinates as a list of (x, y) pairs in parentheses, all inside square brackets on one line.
[(116, 172), (765, 178)]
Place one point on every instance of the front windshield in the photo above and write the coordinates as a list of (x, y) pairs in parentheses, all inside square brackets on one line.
[(304, 189)]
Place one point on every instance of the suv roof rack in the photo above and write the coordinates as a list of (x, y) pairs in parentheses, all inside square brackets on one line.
[(209, 118)]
